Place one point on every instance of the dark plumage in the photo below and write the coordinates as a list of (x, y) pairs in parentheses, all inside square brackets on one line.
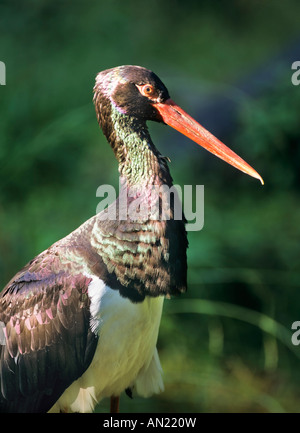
[(81, 319), (46, 307)]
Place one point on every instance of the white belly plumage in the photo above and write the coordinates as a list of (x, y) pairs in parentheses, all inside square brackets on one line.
[(126, 353)]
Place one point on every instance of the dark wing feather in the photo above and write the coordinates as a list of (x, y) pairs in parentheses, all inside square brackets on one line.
[(48, 341)]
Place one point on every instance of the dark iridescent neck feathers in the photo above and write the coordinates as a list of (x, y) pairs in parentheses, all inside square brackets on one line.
[(139, 160)]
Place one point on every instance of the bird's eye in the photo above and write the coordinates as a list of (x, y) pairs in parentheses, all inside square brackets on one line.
[(148, 90)]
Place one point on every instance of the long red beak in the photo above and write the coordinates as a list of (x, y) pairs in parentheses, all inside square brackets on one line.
[(178, 119)]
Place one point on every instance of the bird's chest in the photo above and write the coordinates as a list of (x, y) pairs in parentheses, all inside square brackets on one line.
[(127, 340), (127, 335)]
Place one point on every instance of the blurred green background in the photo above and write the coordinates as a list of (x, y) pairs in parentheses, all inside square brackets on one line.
[(225, 346)]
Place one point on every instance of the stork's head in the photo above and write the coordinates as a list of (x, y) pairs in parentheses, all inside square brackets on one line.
[(139, 93)]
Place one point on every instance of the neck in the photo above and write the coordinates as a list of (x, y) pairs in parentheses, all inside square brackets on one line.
[(150, 253), (140, 163)]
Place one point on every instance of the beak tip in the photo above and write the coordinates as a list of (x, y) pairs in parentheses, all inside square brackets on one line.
[(261, 180), (254, 174)]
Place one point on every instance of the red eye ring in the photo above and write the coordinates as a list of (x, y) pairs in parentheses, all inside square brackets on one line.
[(147, 90)]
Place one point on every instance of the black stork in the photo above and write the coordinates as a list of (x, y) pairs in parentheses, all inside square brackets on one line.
[(81, 320)]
